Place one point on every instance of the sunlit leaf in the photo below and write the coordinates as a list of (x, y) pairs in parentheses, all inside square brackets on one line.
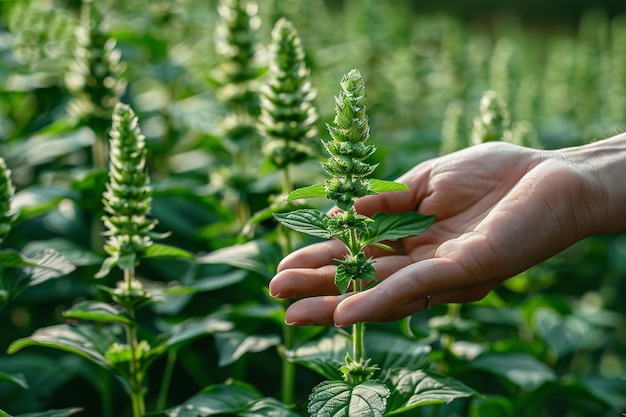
[(324, 356), (381, 186), (312, 191), (338, 399), (310, 221), (88, 341), (256, 256), (222, 399), (97, 311), (411, 389), (233, 345), (164, 251), (397, 226), (520, 369), (50, 264), (192, 329)]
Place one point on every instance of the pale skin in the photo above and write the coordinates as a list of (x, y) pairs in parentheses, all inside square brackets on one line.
[(499, 208)]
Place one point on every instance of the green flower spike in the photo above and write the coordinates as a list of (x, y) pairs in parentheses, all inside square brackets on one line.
[(95, 74), (7, 216), (287, 113), (128, 193), (347, 147), (349, 172), (493, 123)]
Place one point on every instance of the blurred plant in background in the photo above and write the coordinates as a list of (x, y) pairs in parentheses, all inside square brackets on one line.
[(200, 77)]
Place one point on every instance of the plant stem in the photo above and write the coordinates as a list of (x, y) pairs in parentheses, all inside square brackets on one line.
[(289, 368), (167, 379), (358, 333), (135, 383)]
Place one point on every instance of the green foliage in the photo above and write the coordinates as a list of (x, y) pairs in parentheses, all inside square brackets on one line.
[(187, 323)]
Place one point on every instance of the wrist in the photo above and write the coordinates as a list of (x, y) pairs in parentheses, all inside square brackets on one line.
[(602, 166)]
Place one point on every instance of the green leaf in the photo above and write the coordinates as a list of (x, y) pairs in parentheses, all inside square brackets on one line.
[(223, 399), (88, 341), (342, 279), (53, 413), (338, 399), (10, 258), (107, 265), (4, 414), (520, 369), (256, 256), (312, 191), (14, 379), (310, 221), (411, 389), (395, 351), (73, 253), (264, 407), (49, 264), (97, 311), (381, 186), (233, 345), (165, 251), (396, 226), (566, 334), (192, 329), (324, 356)]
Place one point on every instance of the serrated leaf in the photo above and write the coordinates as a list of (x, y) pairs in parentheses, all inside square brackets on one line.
[(381, 186), (396, 226), (342, 279), (88, 341), (14, 379), (98, 312), (523, 370), (338, 399), (53, 413), (165, 251), (310, 221), (411, 389), (233, 345), (312, 191)]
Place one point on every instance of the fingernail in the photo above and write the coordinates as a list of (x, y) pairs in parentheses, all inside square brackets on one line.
[(276, 295), (299, 323), (340, 326)]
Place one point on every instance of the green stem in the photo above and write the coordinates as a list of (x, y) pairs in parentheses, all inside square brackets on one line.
[(167, 379), (289, 368), (136, 380), (454, 313), (358, 333)]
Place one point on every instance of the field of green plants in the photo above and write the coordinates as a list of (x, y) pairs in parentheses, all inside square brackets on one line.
[(146, 152)]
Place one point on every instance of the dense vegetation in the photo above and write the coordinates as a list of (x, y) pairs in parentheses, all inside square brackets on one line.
[(137, 239)]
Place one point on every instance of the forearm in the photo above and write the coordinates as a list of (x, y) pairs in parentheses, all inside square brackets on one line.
[(603, 166)]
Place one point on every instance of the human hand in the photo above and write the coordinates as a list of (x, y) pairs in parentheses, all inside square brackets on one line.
[(499, 209)]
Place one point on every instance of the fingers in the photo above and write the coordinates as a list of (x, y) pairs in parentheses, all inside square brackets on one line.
[(400, 295), (309, 282)]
